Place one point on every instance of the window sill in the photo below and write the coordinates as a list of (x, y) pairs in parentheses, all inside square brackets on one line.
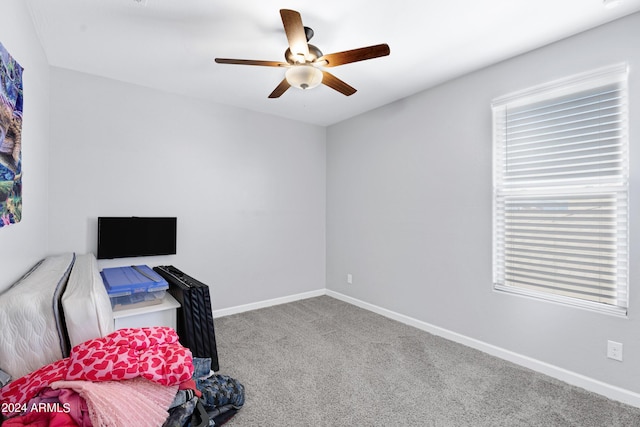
[(564, 301)]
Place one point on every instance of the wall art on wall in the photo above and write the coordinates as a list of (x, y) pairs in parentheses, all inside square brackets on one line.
[(10, 139)]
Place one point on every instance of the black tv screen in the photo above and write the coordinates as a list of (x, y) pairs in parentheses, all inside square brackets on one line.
[(121, 237)]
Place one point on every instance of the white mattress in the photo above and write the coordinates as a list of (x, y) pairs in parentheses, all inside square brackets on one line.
[(33, 330), (32, 333), (86, 304)]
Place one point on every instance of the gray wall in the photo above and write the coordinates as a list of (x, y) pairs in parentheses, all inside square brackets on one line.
[(409, 212), (248, 189), (25, 243)]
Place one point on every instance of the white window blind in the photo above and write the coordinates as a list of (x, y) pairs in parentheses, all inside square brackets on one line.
[(561, 189)]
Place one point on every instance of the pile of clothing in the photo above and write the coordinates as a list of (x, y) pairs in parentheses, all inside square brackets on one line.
[(215, 400), (134, 376)]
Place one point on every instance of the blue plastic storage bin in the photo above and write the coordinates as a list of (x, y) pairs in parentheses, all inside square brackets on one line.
[(137, 284)]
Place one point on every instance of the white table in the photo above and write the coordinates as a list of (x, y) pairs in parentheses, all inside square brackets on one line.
[(163, 314)]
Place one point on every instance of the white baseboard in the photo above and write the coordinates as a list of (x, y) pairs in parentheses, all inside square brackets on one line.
[(267, 303), (578, 380)]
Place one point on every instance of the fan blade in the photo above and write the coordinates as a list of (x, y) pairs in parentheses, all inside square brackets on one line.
[(282, 88), (294, 30), (335, 83), (251, 62), (355, 55)]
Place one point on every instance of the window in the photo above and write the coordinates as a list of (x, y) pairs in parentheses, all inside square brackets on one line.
[(561, 189)]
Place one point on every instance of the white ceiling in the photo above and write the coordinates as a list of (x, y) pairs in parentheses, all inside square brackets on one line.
[(171, 44)]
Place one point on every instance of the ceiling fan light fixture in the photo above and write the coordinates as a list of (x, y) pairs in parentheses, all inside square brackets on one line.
[(304, 76)]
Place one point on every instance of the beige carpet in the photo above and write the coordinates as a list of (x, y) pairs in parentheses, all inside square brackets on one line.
[(323, 362)]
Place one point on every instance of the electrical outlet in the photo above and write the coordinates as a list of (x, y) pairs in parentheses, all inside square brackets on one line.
[(349, 279), (614, 350)]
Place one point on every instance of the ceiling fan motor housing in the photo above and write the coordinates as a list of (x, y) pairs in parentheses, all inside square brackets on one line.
[(314, 53)]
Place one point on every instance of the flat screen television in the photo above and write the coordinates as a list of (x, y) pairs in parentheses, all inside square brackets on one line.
[(122, 237)]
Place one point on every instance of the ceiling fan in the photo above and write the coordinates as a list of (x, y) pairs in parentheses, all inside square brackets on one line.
[(304, 60)]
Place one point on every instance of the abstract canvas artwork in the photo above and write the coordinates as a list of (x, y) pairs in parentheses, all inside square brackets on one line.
[(10, 139)]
